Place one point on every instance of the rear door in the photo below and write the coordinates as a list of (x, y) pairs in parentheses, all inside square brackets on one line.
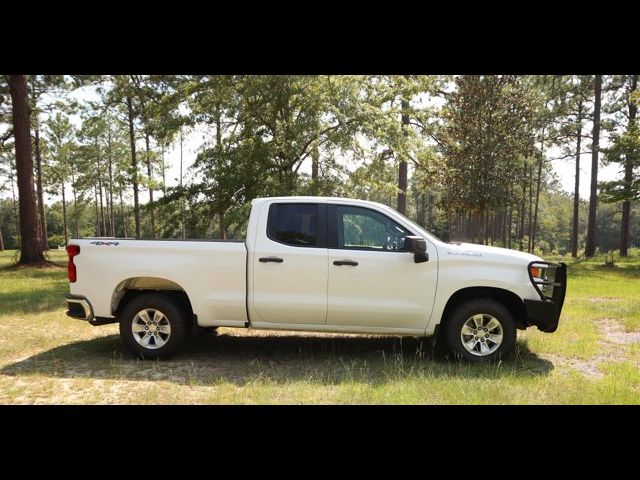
[(373, 280), (290, 265)]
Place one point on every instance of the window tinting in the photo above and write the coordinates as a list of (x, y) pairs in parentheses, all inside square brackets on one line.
[(296, 224), (365, 228)]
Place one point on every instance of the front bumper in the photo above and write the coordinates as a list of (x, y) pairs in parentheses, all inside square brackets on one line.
[(545, 313)]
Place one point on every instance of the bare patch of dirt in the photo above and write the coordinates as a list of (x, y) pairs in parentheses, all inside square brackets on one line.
[(41, 264), (615, 333), (589, 368), (603, 299), (614, 344)]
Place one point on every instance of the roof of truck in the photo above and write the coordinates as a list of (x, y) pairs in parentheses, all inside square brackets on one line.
[(316, 199)]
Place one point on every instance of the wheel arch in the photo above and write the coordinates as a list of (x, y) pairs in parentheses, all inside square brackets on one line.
[(510, 300), (132, 287)]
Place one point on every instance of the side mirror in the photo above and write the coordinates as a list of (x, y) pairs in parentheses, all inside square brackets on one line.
[(417, 246)]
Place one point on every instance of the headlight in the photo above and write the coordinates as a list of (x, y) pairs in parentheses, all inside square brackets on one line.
[(537, 272)]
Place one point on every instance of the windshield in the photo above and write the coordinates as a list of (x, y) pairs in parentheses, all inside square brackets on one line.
[(417, 227)]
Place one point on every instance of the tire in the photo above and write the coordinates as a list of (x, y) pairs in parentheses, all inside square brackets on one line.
[(486, 340), (167, 326)]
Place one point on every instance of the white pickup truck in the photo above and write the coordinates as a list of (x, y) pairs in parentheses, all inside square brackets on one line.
[(315, 264)]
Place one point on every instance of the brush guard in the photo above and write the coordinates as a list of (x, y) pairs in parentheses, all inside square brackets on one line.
[(551, 287)]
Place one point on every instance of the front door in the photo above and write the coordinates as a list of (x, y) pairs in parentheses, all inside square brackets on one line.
[(373, 281)]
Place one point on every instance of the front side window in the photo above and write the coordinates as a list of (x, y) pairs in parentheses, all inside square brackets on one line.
[(295, 224), (362, 228)]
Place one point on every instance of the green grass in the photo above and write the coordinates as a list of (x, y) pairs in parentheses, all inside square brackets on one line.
[(46, 357)]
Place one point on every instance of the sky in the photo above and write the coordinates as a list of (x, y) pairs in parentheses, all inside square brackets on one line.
[(192, 142), (566, 170)]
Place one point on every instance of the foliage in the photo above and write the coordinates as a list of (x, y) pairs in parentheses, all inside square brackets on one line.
[(610, 258), (478, 150), (487, 137), (625, 147)]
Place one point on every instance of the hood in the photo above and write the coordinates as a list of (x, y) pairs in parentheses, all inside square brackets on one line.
[(485, 252)]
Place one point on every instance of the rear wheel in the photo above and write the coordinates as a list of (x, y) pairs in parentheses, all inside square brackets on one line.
[(154, 326), (480, 330)]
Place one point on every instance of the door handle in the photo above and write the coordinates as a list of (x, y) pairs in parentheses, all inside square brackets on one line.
[(270, 259), (346, 262)]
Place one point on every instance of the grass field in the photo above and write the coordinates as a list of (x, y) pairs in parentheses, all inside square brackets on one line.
[(46, 357)]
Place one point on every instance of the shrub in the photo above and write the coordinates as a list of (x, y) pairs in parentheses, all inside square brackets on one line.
[(610, 258), (55, 241)]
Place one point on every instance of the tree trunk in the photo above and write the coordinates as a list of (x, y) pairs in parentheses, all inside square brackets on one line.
[(505, 217), (64, 216), (530, 209), (164, 182), (124, 219), (538, 182), (475, 228), (40, 192), (494, 226), (1, 241), (590, 248), (30, 235), (134, 166), (75, 204), (222, 231), (523, 206), (628, 176), (112, 218), (42, 219), (466, 227), (16, 217), (576, 188), (103, 224), (485, 226), (182, 225), (95, 201), (290, 178), (150, 174), (402, 169), (421, 210), (430, 212), (315, 159), (509, 226)]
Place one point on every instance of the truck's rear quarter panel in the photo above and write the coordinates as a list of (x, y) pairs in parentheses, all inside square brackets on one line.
[(213, 274)]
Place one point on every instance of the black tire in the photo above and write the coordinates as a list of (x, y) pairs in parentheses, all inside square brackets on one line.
[(176, 317), (462, 313)]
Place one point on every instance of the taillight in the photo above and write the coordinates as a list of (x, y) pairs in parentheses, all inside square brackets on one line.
[(72, 251)]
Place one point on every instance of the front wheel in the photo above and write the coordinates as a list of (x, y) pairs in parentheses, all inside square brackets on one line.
[(481, 330), (153, 326)]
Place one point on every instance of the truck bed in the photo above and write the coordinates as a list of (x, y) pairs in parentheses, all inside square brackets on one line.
[(214, 270)]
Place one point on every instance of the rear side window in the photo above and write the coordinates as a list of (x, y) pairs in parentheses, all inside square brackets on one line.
[(294, 224)]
